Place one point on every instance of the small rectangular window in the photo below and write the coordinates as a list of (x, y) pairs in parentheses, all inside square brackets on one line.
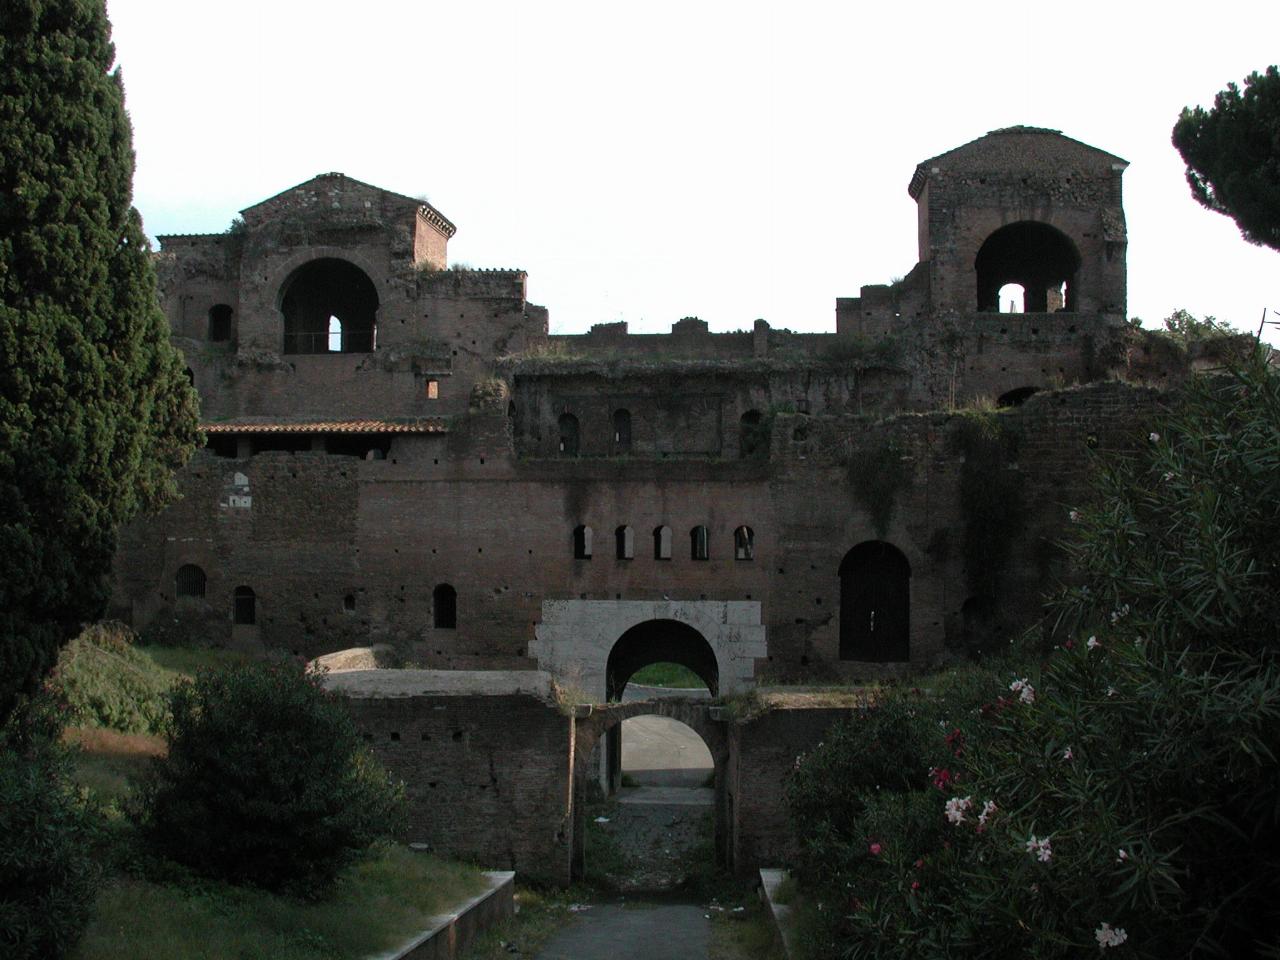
[(433, 389)]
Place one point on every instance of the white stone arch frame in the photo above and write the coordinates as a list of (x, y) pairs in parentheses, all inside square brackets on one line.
[(575, 637)]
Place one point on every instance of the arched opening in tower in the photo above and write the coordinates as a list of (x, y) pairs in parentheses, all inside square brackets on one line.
[(329, 306), (1035, 256)]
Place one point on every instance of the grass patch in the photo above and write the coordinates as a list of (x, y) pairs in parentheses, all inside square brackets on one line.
[(667, 675), (377, 905), (186, 661), (745, 934), (108, 762)]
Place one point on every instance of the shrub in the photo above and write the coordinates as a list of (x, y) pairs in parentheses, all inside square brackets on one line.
[(1133, 777), (266, 782), (47, 877), (107, 682)]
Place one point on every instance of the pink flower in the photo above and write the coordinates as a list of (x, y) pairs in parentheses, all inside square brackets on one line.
[(1092, 643), (1025, 691), (1040, 848), (955, 809), (1121, 856), (988, 809), (1067, 754), (875, 849)]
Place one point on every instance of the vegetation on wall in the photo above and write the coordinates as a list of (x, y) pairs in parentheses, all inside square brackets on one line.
[(991, 501), (862, 351), (877, 472), (95, 409)]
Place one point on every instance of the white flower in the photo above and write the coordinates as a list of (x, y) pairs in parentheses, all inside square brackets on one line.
[(1109, 936), (1067, 754), (1092, 643), (1121, 856), (988, 809), (1168, 475), (1111, 691), (956, 807), (1119, 613), (1025, 691), (1074, 516), (1040, 848), (1153, 437)]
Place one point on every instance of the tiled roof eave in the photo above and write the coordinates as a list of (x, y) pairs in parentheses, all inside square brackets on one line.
[(425, 425)]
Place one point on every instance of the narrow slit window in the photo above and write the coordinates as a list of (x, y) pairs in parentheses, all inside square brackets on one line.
[(433, 389), (582, 543), (625, 543), (662, 543), (698, 543), (744, 544), (335, 335), (444, 604)]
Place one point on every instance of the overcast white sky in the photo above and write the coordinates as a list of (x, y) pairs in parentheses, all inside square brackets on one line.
[(648, 161)]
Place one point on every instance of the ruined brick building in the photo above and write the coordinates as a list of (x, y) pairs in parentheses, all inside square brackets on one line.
[(400, 452)]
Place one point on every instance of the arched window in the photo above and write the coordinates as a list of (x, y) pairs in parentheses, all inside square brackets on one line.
[(444, 605), (621, 431), (246, 604), (1035, 256), (582, 543), (875, 603), (698, 544), (189, 581), (219, 322), (753, 441), (329, 306), (662, 543), (1012, 298), (624, 543), (568, 435), (744, 544)]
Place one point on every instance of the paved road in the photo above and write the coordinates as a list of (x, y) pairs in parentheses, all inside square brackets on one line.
[(659, 751), (633, 931)]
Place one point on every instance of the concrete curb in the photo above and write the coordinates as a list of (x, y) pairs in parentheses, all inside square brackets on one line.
[(780, 914), (448, 933)]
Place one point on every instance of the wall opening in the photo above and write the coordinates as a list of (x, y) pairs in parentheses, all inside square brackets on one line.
[(582, 543), (1012, 298), (444, 607), (220, 322), (189, 581), (1039, 258), (744, 543), (329, 306), (357, 445), (662, 543), (1016, 398), (221, 444), (698, 549), (875, 603), (624, 543), (660, 641), (621, 431), (245, 612), (279, 443), (568, 425), (752, 442)]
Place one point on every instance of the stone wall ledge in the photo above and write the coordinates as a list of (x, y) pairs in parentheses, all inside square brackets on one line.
[(447, 935)]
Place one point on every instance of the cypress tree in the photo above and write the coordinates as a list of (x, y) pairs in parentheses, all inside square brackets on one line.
[(95, 409)]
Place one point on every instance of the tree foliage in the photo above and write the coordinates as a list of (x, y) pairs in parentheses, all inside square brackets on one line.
[(1232, 153), (95, 412), (266, 781)]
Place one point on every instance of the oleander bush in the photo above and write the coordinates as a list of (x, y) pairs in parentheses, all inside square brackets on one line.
[(1122, 793)]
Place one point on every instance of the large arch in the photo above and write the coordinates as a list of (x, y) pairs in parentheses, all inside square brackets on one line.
[(575, 639), (1041, 258), (660, 641), (875, 604), (323, 289)]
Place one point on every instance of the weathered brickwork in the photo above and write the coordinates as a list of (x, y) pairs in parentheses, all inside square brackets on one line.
[(400, 453)]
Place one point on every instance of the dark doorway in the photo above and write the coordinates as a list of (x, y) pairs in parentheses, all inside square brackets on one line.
[(246, 607), (875, 604)]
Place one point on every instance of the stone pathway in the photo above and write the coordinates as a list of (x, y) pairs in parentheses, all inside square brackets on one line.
[(634, 931)]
